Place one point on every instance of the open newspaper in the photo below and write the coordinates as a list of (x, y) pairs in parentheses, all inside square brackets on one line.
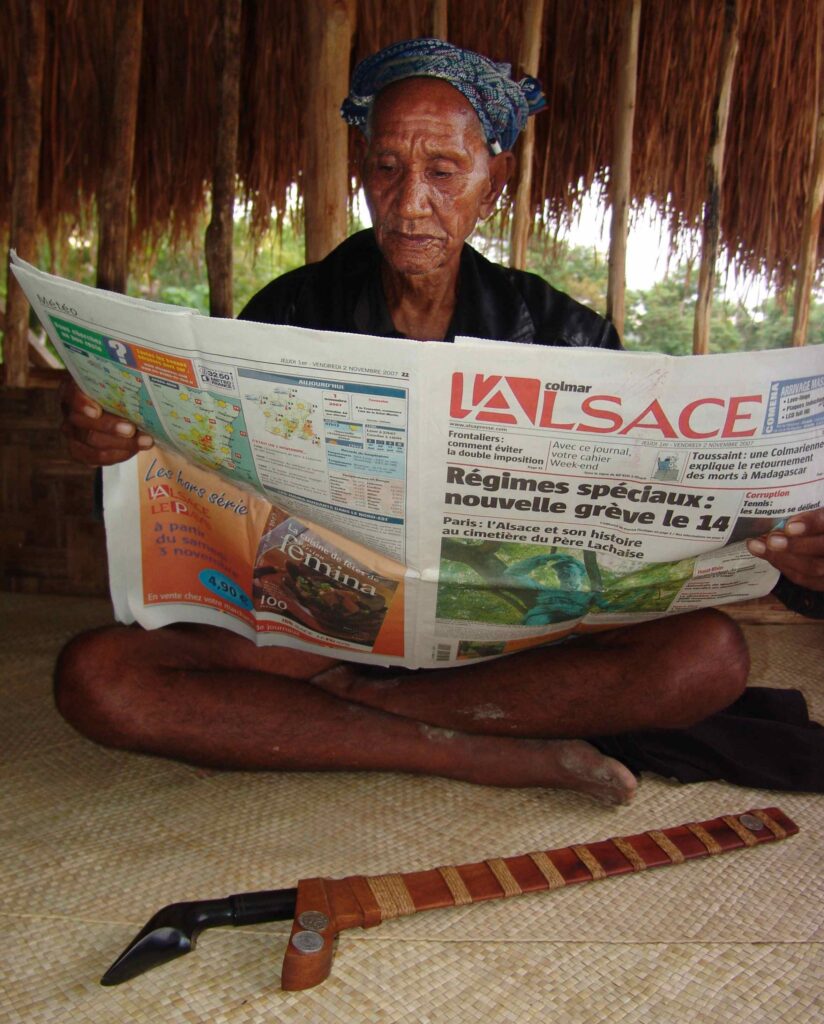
[(425, 504)]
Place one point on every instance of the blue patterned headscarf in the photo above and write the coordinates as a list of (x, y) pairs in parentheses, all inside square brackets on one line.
[(502, 104)]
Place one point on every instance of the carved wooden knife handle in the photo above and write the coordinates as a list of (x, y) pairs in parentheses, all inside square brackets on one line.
[(327, 906)]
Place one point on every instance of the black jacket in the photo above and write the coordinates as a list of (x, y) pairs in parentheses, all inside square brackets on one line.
[(343, 293)]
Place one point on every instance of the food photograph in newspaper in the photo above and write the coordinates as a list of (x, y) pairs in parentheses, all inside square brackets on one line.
[(307, 578)]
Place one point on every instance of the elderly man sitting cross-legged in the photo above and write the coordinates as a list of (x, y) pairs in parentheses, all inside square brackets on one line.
[(439, 125)]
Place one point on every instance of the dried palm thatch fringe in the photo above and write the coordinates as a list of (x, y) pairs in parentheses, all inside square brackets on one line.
[(778, 86)]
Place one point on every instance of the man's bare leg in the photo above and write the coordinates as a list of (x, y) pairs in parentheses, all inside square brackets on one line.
[(210, 698), (667, 673)]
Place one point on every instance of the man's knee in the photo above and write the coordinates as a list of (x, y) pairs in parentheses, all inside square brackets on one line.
[(715, 667), (726, 650), (87, 679)]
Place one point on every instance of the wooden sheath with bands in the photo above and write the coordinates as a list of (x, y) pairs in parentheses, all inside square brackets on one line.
[(327, 906)]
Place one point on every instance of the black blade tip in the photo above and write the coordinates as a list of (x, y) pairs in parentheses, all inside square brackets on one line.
[(155, 947)]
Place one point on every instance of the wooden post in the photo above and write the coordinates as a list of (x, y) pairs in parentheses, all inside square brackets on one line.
[(329, 25), (715, 181), (30, 17), (114, 197), (440, 19), (809, 237), (528, 58), (620, 175), (220, 232)]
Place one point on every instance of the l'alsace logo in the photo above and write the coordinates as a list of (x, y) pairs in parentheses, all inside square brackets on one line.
[(495, 399), (525, 402)]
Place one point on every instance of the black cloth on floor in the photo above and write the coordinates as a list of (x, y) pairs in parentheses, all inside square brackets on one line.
[(765, 739), (809, 603)]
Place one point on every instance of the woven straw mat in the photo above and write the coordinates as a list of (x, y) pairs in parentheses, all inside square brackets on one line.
[(93, 841)]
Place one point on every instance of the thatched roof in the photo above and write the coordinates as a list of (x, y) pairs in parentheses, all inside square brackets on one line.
[(777, 89)]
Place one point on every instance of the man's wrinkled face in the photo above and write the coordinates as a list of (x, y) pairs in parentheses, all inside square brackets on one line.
[(427, 174)]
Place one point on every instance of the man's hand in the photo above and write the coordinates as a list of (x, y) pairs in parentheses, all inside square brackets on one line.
[(796, 550), (95, 437)]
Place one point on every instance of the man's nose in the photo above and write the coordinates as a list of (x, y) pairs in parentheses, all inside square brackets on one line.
[(412, 196)]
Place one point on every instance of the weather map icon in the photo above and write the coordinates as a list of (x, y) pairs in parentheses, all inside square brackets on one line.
[(287, 416), (204, 425)]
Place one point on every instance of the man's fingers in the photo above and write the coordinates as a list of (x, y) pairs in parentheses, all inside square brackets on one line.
[(806, 524), (796, 550), (72, 399), (85, 432), (82, 405), (97, 456), (811, 555), (777, 546), (801, 535), (807, 570), (811, 546), (88, 440), (105, 423), (96, 437), (86, 413)]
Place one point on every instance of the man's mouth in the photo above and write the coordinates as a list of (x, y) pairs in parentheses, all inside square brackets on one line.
[(414, 240)]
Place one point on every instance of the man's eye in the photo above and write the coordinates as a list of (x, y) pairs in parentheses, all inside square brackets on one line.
[(440, 174), (386, 167)]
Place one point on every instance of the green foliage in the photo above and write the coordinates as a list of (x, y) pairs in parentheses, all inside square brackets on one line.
[(177, 275), (651, 588), (180, 277), (654, 574), (579, 271), (475, 604), (774, 327), (659, 319)]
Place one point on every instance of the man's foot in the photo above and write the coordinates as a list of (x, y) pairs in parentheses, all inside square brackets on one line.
[(549, 764)]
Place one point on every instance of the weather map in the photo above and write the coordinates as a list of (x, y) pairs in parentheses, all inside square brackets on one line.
[(209, 428), (287, 415)]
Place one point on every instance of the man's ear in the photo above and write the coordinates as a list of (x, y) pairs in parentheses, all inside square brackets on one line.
[(501, 168)]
